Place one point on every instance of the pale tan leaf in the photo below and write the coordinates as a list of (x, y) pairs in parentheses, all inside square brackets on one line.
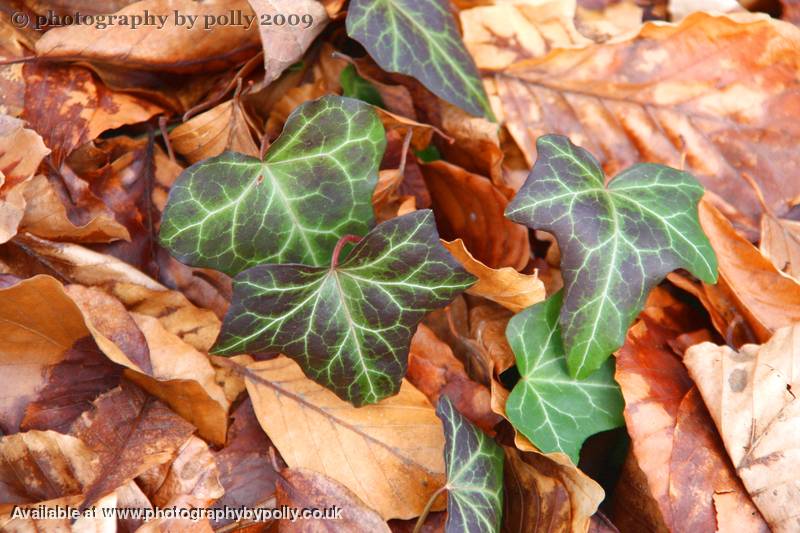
[(389, 454), (751, 397), (286, 44), (223, 127), (780, 243), (506, 286)]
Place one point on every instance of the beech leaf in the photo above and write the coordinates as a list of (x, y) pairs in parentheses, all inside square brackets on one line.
[(421, 40), (474, 465), (232, 212), (350, 325), (617, 242), (555, 411)]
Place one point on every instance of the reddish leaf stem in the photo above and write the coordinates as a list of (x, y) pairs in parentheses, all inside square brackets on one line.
[(338, 249), (427, 510)]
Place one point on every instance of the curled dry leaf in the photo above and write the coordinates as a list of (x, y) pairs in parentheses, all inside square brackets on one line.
[(50, 215), (673, 442), (223, 127), (286, 44), (692, 91), (506, 286), (389, 454), (765, 297), (750, 395), (173, 47), (300, 488), (21, 151), (470, 207), (780, 243), (435, 370), (130, 431)]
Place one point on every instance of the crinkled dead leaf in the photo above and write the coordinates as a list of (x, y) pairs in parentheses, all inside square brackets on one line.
[(435, 370), (765, 297), (34, 341), (177, 48), (673, 442), (780, 243), (750, 395), (662, 97), (130, 431), (506, 286), (14, 44), (470, 207), (223, 127), (21, 152), (303, 488), (546, 493), (285, 44), (43, 465), (50, 215), (390, 454)]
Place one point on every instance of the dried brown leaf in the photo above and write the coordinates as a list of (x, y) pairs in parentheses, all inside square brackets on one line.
[(506, 286), (780, 243), (389, 454), (303, 488), (223, 127)]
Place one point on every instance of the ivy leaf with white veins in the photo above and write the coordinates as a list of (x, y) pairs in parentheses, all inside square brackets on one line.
[(421, 40), (617, 242), (474, 465), (555, 411), (232, 212), (349, 326)]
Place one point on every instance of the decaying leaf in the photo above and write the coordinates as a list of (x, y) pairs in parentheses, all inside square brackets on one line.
[(750, 396), (302, 488), (780, 243), (130, 432), (681, 457), (505, 285), (389, 454)]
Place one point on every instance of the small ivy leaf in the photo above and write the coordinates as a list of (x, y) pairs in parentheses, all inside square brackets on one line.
[(421, 40), (232, 212), (617, 242), (555, 411), (474, 465), (354, 86), (349, 325)]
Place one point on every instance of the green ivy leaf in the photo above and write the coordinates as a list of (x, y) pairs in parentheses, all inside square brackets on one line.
[(349, 325), (555, 411), (354, 86), (232, 212), (421, 40), (616, 242), (474, 465)]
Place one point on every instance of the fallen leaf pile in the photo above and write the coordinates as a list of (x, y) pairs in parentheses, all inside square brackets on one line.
[(440, 265)]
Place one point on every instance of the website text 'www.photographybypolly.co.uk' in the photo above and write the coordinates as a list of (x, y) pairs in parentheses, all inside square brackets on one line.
[(236, 514)]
